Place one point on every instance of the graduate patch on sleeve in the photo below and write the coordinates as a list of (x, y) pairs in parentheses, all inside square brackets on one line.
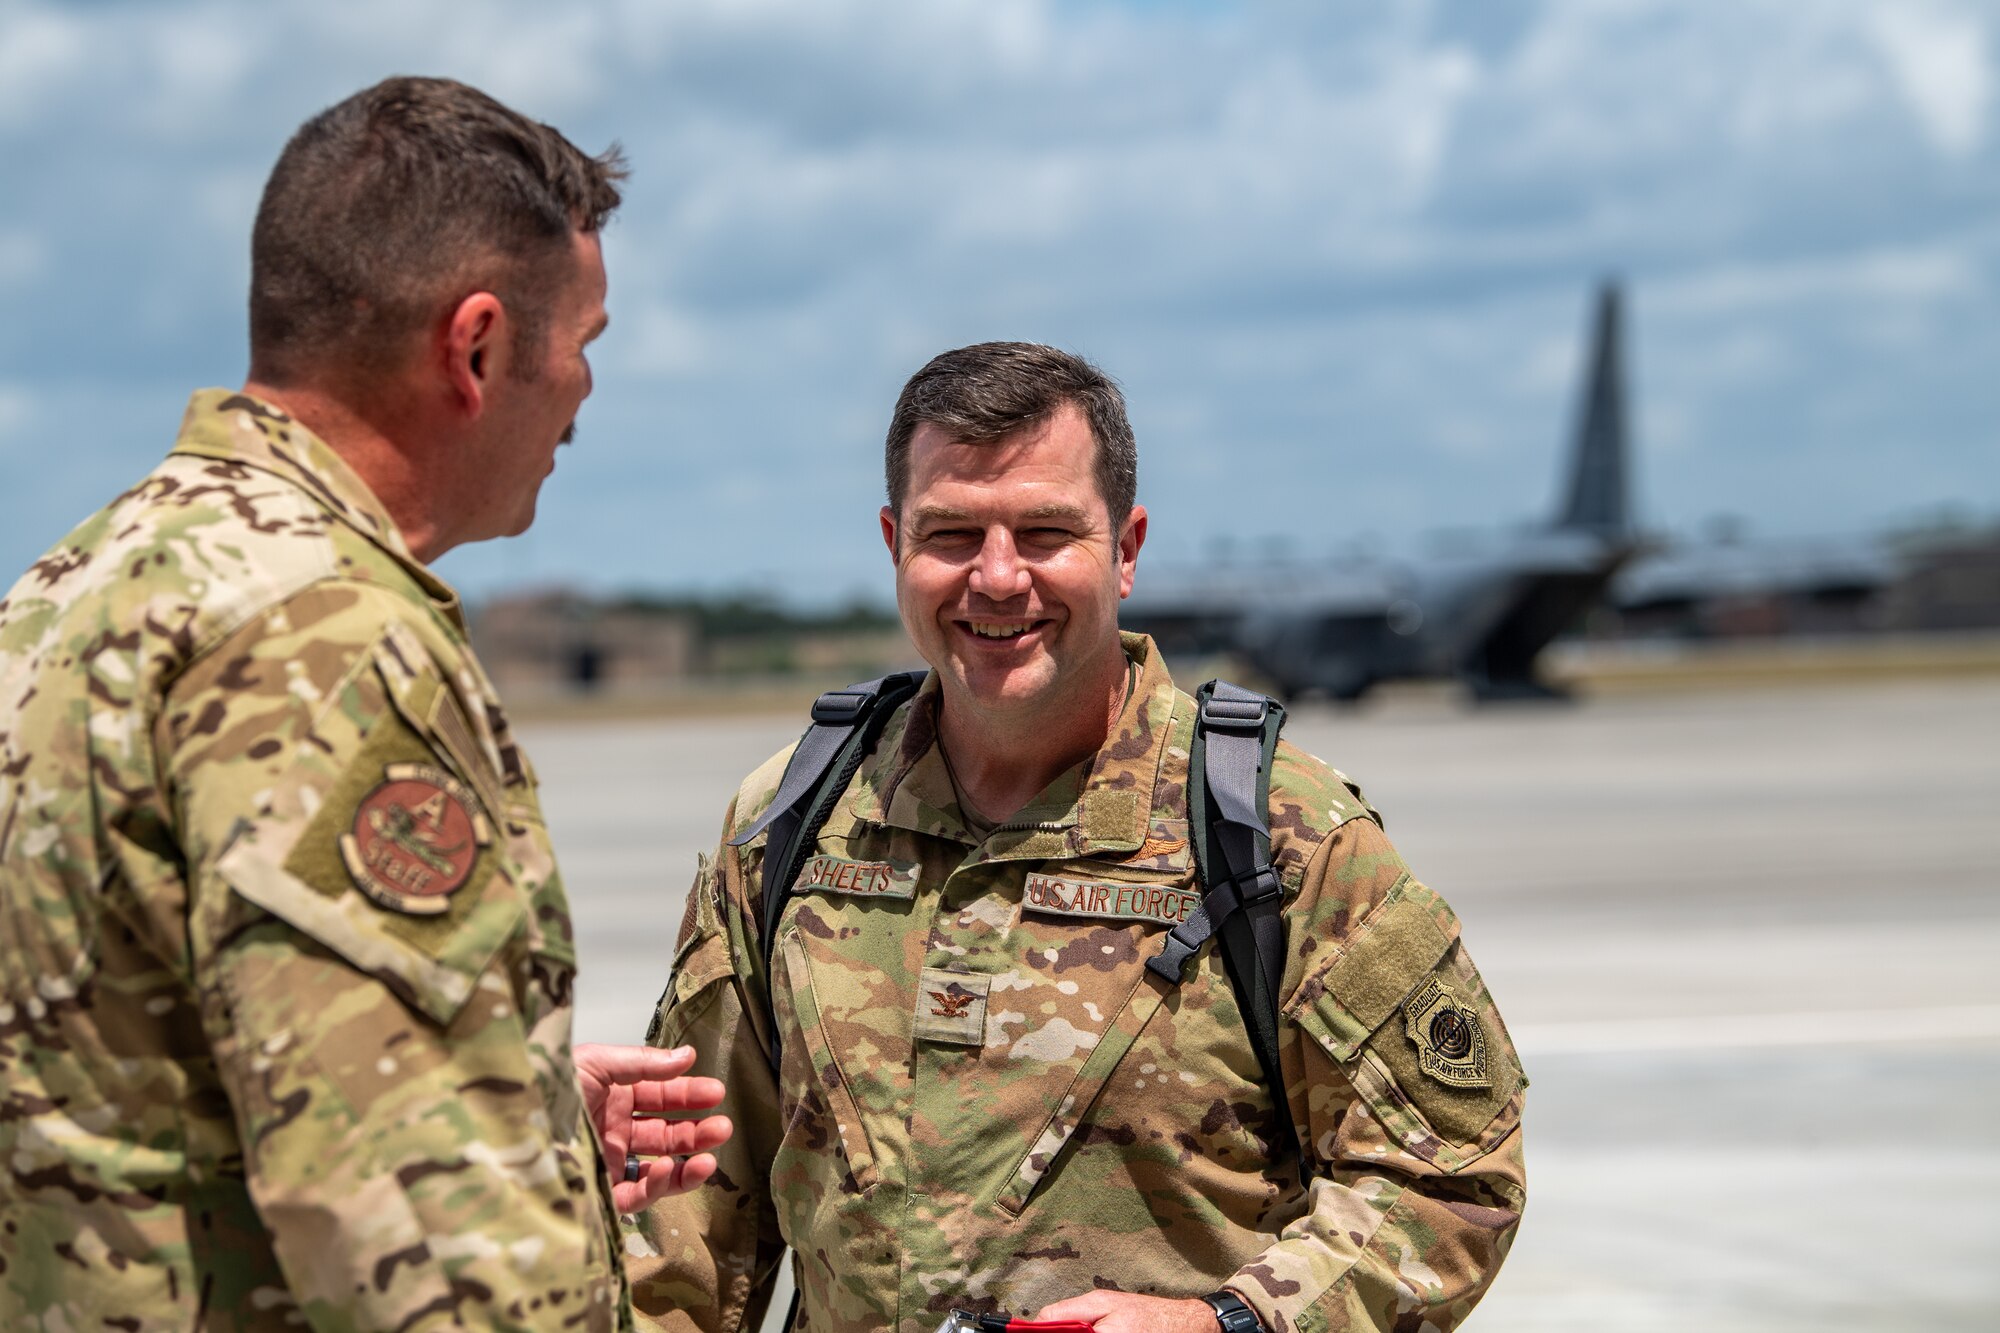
[(1167, 904), (414, 839), (1451, 1045)]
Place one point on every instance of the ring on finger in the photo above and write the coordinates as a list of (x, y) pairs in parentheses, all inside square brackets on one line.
[(634, 1168)]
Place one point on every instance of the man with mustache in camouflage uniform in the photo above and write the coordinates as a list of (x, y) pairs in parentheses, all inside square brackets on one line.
[(285, 962), (985, 1099)]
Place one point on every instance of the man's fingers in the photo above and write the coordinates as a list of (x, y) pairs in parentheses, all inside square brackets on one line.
[(664, 1177), (678, 1138), (694, 1093), (690, 1173), (632, 1064), (1085, 1309)]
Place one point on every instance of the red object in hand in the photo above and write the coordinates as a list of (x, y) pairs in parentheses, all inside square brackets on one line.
[(965, 1321)]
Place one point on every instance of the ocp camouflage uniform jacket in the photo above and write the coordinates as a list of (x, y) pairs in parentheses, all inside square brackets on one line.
[(986, 1100), (285, 961)]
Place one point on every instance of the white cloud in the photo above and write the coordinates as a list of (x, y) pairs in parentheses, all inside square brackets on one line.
[(17, 410), (1938, 55), (660, 340), (1900, 275), (21, 256), (41, 48)]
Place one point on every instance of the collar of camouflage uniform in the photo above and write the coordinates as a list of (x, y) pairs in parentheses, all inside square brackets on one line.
[(1103, 807), (233, 427)]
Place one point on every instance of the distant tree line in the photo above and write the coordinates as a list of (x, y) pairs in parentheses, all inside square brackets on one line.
[(756, 615)]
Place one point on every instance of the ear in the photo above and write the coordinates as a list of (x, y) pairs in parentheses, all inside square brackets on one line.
[(475, 345), (888, 517), (1130, 538)]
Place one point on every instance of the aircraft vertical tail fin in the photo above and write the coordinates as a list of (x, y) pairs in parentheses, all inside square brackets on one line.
[(1598, 496)]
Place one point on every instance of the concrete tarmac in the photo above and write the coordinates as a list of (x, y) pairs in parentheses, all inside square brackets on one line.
[(1748, 943)]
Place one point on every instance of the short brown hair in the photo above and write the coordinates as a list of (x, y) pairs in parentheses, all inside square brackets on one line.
[(988, 391), (401, 200)]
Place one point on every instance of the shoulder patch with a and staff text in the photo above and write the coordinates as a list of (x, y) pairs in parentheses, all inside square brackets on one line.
[(414, 839)]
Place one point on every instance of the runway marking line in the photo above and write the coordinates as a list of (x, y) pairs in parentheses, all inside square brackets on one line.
[(1850, 1027)]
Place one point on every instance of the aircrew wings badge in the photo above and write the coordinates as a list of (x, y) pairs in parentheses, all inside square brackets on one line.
[(1451, 1045), (414, 839)]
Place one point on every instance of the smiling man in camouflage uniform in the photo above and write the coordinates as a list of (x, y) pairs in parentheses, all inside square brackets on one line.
[(285, 963), (986, 1100)]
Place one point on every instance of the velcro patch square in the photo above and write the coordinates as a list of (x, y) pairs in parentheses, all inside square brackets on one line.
[(826, 873), (1164, 904), (951, 1007)]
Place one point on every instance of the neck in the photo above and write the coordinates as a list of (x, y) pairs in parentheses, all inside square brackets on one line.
[(1001, 761), (359, 433)]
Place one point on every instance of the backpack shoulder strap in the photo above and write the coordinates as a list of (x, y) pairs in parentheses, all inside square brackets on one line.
[(845, 726), (1229, 799)]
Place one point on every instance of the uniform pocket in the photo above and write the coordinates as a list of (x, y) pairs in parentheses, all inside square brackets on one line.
[(434, 971), (1076, 1100), (1406, 1016), (827, 1076), (402, 869)]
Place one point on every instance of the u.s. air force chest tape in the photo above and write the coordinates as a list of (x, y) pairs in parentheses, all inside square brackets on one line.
[(827, 873), (1054, 895)]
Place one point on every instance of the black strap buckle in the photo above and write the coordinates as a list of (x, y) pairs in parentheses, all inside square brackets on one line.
[(840, 708), (1257, 884), (1171, 960), (1244, 715)]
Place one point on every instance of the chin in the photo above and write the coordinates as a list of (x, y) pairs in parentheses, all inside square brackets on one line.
[(1009, 689)]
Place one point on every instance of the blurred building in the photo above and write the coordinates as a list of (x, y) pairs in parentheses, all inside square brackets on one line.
[(1913, 584), (1737, 589), (564, 643), (1951, 586), (557, 641)]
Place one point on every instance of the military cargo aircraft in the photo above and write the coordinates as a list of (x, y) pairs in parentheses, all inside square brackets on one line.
[(1482, 618)]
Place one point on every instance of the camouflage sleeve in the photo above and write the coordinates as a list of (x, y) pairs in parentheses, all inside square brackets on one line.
[(1409, 1087), (406, 1119), (707, 1260)]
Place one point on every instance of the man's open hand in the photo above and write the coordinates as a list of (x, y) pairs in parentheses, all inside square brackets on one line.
[(1123, 1312), (623, 1086)]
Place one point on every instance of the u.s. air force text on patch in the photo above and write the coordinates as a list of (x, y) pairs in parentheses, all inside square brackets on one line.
[(1168, 904), (1451, 1045), (414, 839)]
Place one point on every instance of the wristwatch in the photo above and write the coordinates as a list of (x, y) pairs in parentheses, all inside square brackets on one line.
[(1232, 1313)]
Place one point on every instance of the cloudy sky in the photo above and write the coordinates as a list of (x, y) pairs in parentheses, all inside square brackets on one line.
[(1338, 253)]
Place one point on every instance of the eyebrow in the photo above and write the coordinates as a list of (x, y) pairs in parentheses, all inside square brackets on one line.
[(926, 515)]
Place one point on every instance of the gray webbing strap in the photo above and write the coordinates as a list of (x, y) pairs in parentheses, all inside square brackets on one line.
[(836, 715), (1229, 792), (1231, 740)]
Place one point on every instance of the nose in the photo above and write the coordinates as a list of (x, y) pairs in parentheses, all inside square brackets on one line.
[(999, 573)]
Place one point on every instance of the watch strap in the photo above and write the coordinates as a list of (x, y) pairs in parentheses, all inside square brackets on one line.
[(1232, 1314)]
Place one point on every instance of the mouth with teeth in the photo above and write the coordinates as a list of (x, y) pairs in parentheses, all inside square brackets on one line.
[(1000, 630)]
